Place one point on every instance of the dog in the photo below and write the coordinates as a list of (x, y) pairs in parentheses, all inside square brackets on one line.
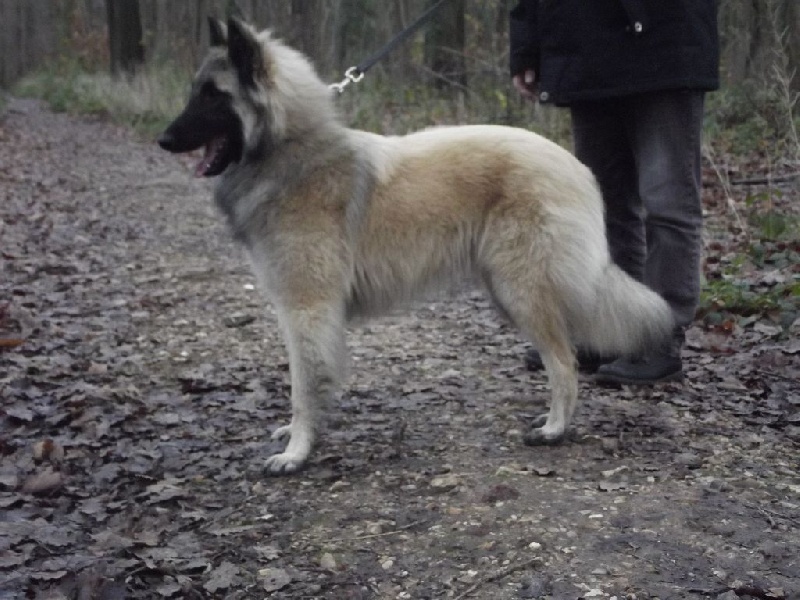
[(340, 223)]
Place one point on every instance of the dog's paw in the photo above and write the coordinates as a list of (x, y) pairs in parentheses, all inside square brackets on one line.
[(542, 435), (285, 463), (538, 437), (281, 433)]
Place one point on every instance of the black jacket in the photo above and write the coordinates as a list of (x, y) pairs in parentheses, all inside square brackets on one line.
[(595, 49)]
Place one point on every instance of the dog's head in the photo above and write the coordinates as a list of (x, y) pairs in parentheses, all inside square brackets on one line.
[(250, 93)]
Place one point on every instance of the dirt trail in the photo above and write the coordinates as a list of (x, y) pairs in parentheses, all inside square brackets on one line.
[(135, 416)]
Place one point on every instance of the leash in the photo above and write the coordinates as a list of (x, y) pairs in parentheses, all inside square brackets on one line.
[(356, 73)]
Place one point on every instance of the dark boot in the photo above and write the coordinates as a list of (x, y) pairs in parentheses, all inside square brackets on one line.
[(588, 362), (658, 366)]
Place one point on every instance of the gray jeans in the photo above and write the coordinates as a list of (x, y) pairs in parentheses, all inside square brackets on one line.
[(645, 152)]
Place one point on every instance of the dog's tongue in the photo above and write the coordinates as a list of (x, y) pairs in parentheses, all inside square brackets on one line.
[(211, 152)]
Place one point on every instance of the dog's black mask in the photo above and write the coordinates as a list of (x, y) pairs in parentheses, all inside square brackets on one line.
[(208, 120)]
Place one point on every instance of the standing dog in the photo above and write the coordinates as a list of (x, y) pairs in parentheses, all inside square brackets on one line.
[(339, 223)]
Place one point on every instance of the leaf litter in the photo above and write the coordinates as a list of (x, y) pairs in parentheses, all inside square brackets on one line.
[(143, 377)]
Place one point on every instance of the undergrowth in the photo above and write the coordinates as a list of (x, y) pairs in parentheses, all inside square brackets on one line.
[(762, 279), (149, 100), (146, 101)]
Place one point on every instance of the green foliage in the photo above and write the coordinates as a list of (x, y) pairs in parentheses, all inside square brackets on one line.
[(750, 118), (771, 223), (764, 281)]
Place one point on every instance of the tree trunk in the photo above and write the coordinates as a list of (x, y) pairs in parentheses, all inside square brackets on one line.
[(445, 44), (124, 36)]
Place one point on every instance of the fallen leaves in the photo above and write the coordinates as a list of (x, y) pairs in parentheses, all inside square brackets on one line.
[(134, 421), (44, 482)]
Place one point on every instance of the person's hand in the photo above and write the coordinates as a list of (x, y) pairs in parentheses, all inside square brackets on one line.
[(526, 84)]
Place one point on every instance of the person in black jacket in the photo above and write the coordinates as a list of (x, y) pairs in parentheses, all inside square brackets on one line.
[(634, 75)]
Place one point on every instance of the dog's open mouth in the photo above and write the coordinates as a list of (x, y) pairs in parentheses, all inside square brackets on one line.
[(216, 157)]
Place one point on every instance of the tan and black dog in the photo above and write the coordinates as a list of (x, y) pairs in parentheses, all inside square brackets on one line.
[(340, 223)]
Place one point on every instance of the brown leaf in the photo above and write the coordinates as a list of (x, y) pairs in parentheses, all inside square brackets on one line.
[(43, 483), (49, 450), (222, 577)]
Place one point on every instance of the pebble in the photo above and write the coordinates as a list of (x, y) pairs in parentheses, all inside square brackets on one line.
[(535, 546), (445, 482), (327, 561), (689, 459)]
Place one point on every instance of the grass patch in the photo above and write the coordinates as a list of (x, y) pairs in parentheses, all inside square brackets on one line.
[(146, 102)]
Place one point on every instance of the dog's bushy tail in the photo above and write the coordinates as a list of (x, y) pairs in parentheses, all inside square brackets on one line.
[(626, 317)]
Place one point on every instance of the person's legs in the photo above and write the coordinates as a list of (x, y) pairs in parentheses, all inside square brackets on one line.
[(601, 142), (665, 130), (667, 139)]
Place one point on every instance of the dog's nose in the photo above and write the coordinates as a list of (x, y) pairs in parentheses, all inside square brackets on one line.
[(167, 141)]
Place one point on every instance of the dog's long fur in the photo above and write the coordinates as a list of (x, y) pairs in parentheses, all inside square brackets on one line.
[(340, 223)]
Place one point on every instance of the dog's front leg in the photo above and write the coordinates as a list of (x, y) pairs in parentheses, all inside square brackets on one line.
[(315, 342)]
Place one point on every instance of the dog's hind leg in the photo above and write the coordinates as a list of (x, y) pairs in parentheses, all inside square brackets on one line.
[(315, 341), (559, 363), (537, 314)]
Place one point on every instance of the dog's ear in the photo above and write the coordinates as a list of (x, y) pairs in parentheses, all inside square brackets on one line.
[(217, 33), (245, 52)]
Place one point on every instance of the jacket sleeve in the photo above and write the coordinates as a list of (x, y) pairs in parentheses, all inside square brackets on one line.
[(524, 37)]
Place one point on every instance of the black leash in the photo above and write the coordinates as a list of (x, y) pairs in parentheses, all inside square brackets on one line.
[(356, 73)]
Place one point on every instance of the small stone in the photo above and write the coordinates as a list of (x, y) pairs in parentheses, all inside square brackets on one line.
[(387, 564), (720, 574), (729, 595), (339, 485), (445, 482), (375, 528), (327, 561), (504, 471), (612, 472)]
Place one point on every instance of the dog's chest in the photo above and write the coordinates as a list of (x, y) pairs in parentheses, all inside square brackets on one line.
[(247, 207)]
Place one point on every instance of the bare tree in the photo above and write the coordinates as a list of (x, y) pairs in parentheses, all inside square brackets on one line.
[(445, 43), (125, 36)]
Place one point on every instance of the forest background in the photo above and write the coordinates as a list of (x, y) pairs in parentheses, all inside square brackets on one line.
[(454, 70)]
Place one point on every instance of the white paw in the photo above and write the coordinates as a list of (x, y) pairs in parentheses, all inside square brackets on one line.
[(284, 463), (282, 432)]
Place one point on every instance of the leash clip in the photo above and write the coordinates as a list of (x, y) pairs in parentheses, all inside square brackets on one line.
[(352, 75)]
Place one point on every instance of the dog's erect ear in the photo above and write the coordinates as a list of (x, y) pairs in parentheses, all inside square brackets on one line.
[(218, 35), (245, 52)]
